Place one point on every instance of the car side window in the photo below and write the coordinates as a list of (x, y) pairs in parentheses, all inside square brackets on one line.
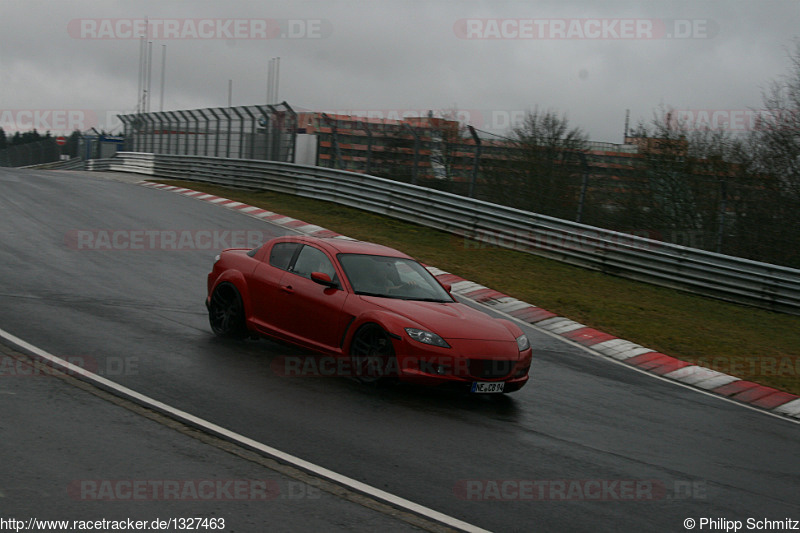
[(281, 254), (313, 260)]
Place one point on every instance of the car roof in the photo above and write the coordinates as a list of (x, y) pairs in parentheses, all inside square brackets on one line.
[(349, 246)]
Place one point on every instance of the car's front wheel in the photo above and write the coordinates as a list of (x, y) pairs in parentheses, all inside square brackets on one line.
[(372, 355), (226, 312)]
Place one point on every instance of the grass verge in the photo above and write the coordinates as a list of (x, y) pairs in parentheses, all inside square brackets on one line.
[(750, 343)]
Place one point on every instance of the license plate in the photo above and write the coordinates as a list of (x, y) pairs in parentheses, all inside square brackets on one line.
[(488, 386)]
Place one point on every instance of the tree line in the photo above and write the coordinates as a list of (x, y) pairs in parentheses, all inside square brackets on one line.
[(733, 192), (33, 136)]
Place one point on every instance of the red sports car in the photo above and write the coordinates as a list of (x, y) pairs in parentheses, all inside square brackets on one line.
[(375, 311)]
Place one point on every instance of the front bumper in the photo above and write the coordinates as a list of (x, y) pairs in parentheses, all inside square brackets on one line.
[(466, 362)]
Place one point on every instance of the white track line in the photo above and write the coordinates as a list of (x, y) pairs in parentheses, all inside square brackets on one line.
[(284, 457)]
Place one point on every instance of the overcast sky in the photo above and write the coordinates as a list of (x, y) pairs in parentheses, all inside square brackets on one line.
[(490, 60)]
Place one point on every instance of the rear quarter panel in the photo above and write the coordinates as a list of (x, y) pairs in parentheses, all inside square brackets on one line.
[(233, 266)]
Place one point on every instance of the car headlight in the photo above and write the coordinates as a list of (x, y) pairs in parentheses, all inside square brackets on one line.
[(426, 337), (523, 343)]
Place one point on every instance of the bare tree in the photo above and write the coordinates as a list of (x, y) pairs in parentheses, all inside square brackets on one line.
[(770, 221), (543, 168), (735, 195), (776, 136), (687, 169)]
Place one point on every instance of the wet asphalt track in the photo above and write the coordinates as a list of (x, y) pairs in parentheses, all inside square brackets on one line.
[(138, 317)]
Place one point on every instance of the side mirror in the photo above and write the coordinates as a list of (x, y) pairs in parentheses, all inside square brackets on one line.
[(447, 287), (324, 279)]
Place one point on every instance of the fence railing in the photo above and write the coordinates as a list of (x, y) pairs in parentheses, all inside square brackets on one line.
[(21, 155), (481, 223), (252, 132)]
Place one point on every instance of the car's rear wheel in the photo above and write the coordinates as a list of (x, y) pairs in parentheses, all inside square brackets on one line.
[(226, 312), (372, 355)]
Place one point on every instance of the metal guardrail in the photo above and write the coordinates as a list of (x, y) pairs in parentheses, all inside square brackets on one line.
[(98, 164), (76, 163), (485, 224)]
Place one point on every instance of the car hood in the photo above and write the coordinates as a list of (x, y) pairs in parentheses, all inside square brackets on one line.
[(451, 320)]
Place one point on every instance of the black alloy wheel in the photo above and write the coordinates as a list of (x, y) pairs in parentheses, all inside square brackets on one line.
[(372, 355), (226, 312)]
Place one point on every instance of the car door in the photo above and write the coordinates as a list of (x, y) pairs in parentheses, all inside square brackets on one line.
[(308, 311), (264, 284)]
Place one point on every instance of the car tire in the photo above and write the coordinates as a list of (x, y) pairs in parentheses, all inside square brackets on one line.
[(372, 355), (226, 312)]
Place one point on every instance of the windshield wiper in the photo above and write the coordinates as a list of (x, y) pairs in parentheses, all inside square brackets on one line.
[(376, 294)]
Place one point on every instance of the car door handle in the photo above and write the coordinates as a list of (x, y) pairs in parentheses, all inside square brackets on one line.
[(287, 288)]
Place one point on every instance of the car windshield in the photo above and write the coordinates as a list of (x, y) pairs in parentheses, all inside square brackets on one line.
[(391, 277)]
